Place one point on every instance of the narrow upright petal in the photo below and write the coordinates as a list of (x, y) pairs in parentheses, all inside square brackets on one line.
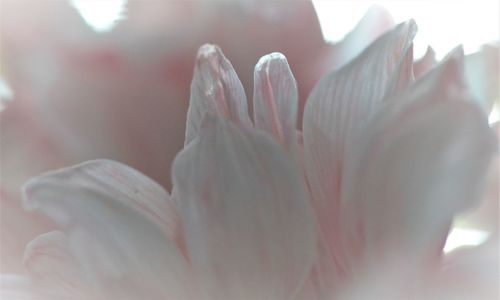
[(422, 160), (250, 231), (338, 107), (122, 249), (215, 89), (275, 98)]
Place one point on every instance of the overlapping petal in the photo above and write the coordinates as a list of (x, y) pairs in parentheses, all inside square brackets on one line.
[(248, 223), (52, 266), (424, 64), (419, 162), (121, 249), (338, 107)]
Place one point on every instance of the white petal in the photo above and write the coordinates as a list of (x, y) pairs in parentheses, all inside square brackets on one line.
[(50, 262), (486, 216), (126, 185), (249, 227), (483, 76), (275, 98), (123, 252), (338, 107), (422, 160), (17, 228), (15, 287), (215, 89)]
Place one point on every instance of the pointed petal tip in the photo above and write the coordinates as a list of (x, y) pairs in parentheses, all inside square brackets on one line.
[(409, 27), (430, 52), (457, 53), (454, 65), (27, 193), (412, 24)]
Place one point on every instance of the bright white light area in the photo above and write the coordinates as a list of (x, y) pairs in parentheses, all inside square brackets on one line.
[(6, 94), (100, 15), (443, 24), (460, 237), (494, 114)]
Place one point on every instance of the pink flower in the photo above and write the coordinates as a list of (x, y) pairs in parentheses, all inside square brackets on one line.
[(358, 204), (122, 95)]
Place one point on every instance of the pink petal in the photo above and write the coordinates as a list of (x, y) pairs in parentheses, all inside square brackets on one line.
[(332, 57), (128, 186), (17, 228), (215, 89), (419, 162), (250, 231), (443, 82), (338, 107), (119, 245), (427, 62), (51, 264), (275, 98), (13, 287)]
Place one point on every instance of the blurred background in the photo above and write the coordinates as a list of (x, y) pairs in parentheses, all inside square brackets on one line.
[(88, 79)]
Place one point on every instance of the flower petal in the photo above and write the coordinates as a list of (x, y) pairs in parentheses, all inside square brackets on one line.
[(486, 216), (15, 287), (17, 228), (275, 98), (122, 250), (427, 62), (422, 160), (338, 107), (483, 75), (128, 186), (215, 89), (50, 263), (250, 231)]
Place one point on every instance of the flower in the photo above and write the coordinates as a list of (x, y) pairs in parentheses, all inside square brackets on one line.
[(122, 95), (357, 204)]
